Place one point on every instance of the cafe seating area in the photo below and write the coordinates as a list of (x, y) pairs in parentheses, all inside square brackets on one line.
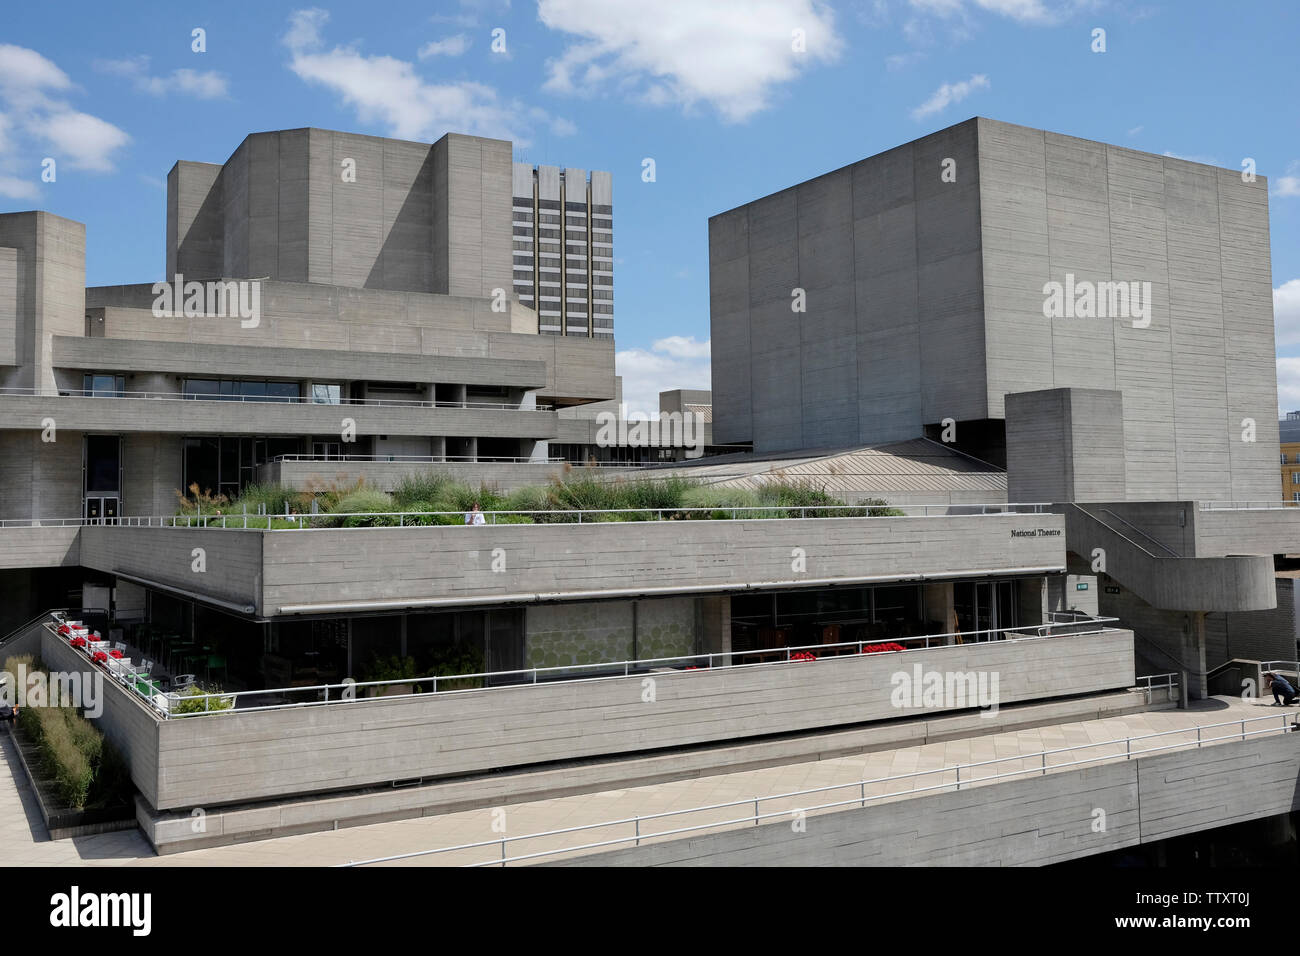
[(129, 665)]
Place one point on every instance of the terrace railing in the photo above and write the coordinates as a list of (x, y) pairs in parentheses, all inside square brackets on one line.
[(346, 691), (240, 520), (950, 778), (36, 391)]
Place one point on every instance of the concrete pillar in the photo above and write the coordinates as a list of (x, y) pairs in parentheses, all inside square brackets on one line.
[(438, 448), (1193, 654), (938, 604), (715, 626)]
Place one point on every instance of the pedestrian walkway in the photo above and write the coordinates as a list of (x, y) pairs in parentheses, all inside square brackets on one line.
[(26, 843)]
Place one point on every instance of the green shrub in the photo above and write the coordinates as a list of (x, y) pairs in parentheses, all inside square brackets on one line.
[(193, 701), (422, 489)]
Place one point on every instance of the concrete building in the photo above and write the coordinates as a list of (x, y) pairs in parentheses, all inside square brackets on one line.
[(923, 274), (1096, 320), (603, 650), (1289, 433), (563, 230)]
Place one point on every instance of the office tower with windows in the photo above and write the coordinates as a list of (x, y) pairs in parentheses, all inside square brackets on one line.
[(563, 226)]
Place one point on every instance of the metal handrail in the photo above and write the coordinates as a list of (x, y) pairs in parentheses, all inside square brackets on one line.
[(346, 691), (861, 800), (420, 459), (236, 520), (40, 392), (1268, 504)]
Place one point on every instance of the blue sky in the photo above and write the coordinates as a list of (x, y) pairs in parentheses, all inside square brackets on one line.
[(710, 89)]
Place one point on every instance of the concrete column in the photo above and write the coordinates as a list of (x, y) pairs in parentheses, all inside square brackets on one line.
[(438, 447), (938, 604), (1193, 654), (715, 614)]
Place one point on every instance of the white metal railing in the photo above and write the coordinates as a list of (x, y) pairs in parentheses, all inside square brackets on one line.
[(351, 691), (480, 460), (860, 801), (39, 392), (246, 520), (1154, 682), (1269, 504)]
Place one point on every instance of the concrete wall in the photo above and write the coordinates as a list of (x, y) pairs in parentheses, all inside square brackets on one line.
[(1259, 531), (39, 547), (926, 298), (233, 361), (39, 479), (132, 729), (320, 568), (387, 475), (43, 283), (231, 560), (407, 217), (1065, 444), (195, 220), (245, 756), (177, 416), (321, 317), (1052, 205), (1030, 821), (889, 258)]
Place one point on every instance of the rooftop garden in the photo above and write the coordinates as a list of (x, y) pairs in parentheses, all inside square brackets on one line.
[(437, 498)]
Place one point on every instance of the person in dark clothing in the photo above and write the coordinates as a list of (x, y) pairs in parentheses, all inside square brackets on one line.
[(8, 714), (1283, 692)]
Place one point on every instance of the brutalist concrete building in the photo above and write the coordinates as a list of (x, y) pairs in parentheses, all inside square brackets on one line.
[(888, 317), (1095, 319)]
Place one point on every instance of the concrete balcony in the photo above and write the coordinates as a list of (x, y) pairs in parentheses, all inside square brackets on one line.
[(197, 417), (355, 570), (240, 756), (37, 545)]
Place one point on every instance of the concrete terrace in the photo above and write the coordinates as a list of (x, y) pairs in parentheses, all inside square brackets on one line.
[(26, 842)]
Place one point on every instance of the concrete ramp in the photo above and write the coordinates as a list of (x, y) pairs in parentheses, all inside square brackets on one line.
[(1166, 581)]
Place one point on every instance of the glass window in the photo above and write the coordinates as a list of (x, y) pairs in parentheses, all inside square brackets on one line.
[(282, 391), (201, 388), (326, 393)]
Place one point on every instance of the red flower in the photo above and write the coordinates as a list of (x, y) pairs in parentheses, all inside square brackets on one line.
[(78, 641), (803, 656), (115, 654), (99, 657), (882, 648), (64, 629)]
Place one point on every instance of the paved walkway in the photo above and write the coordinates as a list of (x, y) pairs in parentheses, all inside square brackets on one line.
[(26, 842)]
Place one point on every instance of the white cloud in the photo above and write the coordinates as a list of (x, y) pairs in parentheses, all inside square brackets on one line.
[(37, 120), (24, 69), (204, 84), (88, 141), (1288, 384), (1135, 130), (727, 53), (1286, 313), (900, 61), (1022, 11), (11, 187), (682, 347), (673, 362), (448, 46), (389, 91), (1288, 185), (949, 94)]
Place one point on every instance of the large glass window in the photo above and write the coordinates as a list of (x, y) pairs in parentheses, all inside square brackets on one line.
[(326, 393), (104, 386), (235, 389)]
